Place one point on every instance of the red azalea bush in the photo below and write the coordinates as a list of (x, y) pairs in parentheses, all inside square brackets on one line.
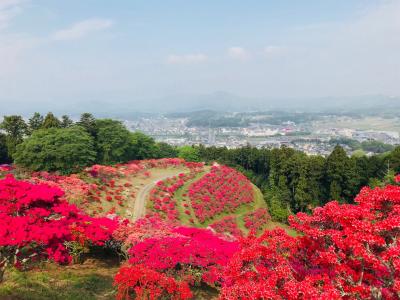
[(345, 251), (4, 168), (221, 190), (227, 225), (162, 195), (255, 220), (74, 187), (191, 254), (36, 222), (266, 268), (140, 282)]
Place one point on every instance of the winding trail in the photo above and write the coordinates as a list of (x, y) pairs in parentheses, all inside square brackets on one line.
[(139, 209)]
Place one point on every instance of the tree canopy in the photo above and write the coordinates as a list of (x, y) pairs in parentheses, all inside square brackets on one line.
[(113, 142), (57, 149), (189, 153)]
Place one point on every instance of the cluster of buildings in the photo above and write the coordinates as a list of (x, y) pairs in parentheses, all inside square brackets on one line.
[(301, 137)]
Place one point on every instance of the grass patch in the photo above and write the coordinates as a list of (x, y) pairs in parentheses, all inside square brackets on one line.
[(57, 282)]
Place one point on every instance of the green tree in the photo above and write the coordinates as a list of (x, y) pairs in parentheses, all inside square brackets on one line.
[(35, 122), (15, 128), (50, 121), (302, 196), (66, 121), (165, 150), (393, 160), (88, 121), (336, 165), (4, 158), (143, 146), (66, 150), (113, 142), (189, 153)]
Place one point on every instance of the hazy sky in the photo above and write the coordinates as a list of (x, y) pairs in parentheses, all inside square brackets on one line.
[(121, 50)]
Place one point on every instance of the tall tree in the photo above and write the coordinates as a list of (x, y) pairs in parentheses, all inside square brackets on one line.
[(143, 146), (166, 150), (88, 122), (66, 121), (113, 142), (35, 122), (4, 158), (50, 121), (15, 128), (336, 165), (393, 161)]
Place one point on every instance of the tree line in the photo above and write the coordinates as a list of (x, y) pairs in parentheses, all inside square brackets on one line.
[(293, 181), (52, 144)]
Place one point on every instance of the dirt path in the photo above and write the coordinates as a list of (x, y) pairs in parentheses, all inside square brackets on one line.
[(139, 209)]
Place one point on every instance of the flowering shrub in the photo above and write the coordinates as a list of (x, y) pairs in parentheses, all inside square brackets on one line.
[(5, 168), (35, 223), (140, 282), (255, 220), (221, 190), (75, 188), (105, 173), (227, 225), (191, 254), (162, 195), (264, 268), (344, 252)]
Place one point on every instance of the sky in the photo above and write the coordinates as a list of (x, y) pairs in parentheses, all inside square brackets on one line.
[(140, 51)]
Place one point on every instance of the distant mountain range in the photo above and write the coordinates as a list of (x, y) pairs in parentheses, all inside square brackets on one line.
[(218, 101)]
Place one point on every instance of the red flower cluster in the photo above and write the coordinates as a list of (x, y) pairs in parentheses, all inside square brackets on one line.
[(344, 252), (162, 196), (255, 220), (5, 168), (35, 223), (397, 179), (184, 252), (221, 190), (75, 188), (227, 225), (140, 282)]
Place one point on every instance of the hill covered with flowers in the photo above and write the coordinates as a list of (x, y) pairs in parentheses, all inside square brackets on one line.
[(185, 230)]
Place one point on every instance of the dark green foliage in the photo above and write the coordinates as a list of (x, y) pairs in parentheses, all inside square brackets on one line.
[(65, 150), (66, 121), (113, 142), (36, 122), (143, 146), (393, 160), (189, 153), (15, 129), (4, 158), (88, 122), (368, 146), (50, 121), (165, 150)]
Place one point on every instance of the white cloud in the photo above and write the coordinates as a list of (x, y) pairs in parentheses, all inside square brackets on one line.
[(187, 58), (8, 10), (238, 53), (82, 29), (274, 50)]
